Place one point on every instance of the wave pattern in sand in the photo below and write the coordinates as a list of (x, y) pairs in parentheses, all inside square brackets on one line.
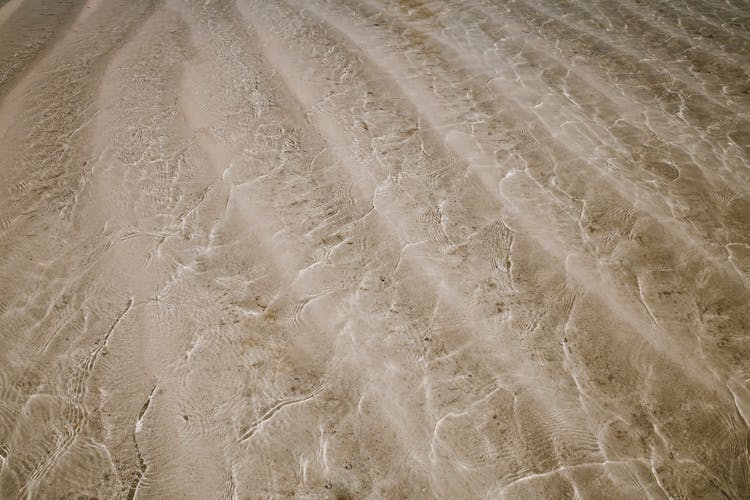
[(374, 249)]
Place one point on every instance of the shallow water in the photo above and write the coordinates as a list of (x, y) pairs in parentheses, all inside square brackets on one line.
[(374, 249)]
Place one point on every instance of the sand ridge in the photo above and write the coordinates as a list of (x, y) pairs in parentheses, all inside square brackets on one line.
[(374, 249)]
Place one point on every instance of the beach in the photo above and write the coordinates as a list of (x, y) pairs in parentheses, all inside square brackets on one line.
[(374, 249)]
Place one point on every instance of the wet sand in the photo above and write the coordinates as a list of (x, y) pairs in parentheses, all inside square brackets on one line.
[(374, 249)]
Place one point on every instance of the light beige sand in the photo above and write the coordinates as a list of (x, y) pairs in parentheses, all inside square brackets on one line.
[(374, 249)]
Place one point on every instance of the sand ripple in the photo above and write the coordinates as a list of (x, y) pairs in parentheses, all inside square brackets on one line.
[(374, 249)]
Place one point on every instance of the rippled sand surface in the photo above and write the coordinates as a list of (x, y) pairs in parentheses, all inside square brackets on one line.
[(374, 249)]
